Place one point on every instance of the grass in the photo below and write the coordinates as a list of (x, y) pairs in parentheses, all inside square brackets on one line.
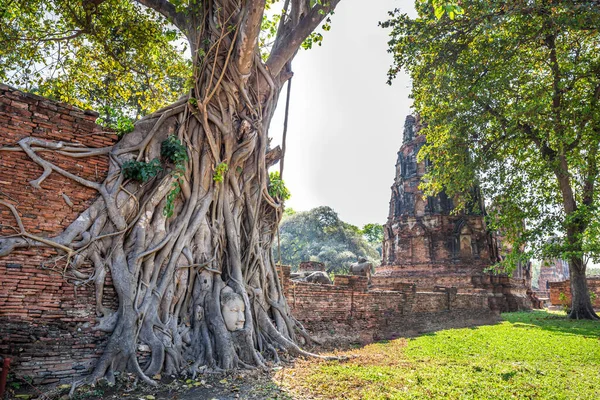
[(535, 355)]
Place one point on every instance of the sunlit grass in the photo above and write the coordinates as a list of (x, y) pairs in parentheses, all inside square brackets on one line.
[(527, 355)]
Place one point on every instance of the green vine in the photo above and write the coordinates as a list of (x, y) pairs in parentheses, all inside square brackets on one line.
[(170, 205), (141, 171), (277, 189), (173, 151)]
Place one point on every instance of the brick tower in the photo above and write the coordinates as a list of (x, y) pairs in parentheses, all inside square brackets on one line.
[(424, 242), (429, 246)]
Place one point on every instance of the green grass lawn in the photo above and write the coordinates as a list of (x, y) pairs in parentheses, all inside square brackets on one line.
[(528, 355)]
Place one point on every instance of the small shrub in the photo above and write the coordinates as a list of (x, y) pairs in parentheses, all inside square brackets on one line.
[(172, 150), (564, 301), (592, 296), (175, 152), (220, 172), (277, 189), (141, 171)]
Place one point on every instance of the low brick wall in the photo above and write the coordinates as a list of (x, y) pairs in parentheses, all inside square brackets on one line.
[(556, 288), (348, 312), (426, 280), (44, 320)]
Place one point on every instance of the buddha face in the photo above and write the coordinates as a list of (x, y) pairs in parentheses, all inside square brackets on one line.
[(232, 309)]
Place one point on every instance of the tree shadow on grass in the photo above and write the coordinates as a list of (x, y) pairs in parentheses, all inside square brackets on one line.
[(553, 322)]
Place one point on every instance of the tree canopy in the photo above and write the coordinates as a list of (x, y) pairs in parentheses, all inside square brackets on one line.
[(320, 235), (509, 94), (117, 57)]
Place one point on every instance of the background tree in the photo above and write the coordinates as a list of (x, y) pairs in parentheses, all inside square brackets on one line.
[(320, 235), (509, 92), (374, 235), (184, 221)]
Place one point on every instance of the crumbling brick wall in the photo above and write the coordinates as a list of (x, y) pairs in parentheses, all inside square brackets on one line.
[(556, 288), (44, 319), (350, 311), (552, 270)]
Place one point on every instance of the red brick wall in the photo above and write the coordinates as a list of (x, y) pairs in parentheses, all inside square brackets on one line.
[(349, 311), (556, 288), (44, 320)]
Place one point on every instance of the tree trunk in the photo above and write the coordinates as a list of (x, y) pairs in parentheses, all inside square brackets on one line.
[(198, 286), (581, 304)]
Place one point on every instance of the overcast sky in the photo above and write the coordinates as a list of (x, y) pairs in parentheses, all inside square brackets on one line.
[(345, 122)]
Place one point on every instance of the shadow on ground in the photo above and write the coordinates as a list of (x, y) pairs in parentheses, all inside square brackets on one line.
[(250, 385), (554, 322)]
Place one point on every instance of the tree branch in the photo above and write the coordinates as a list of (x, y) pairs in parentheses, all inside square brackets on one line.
[(287, 45), (591, 175), (556, 83), (167, 10), (249, 32)]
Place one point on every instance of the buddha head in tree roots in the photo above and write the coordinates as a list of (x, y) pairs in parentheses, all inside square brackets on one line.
[(232, 309)]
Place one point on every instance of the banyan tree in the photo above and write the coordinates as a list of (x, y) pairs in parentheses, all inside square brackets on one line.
[(186, 217)]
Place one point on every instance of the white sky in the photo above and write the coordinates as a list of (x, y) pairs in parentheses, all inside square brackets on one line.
[(345, 123)]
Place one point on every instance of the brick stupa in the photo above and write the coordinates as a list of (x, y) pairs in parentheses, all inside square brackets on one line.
[(429, 245)]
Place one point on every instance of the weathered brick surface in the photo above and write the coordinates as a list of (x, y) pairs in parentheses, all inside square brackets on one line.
[(307, 266), (556, 288), (44, 318), (423, 238), (351, 312), (555, 270)]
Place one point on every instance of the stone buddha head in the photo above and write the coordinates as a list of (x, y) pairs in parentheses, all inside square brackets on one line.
[(232, 309)]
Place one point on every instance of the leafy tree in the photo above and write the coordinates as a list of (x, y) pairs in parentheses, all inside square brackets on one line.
[(319, 235), (182, 241), (509, 94), (374, 235), (113, 56), (593, 270)]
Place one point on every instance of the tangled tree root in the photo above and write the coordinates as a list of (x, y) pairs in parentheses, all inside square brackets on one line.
[(198, 235)]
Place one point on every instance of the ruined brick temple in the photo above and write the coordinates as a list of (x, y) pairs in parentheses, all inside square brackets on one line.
[(428, 245)]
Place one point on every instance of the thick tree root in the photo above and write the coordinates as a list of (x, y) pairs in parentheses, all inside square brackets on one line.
[(583, 313)]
